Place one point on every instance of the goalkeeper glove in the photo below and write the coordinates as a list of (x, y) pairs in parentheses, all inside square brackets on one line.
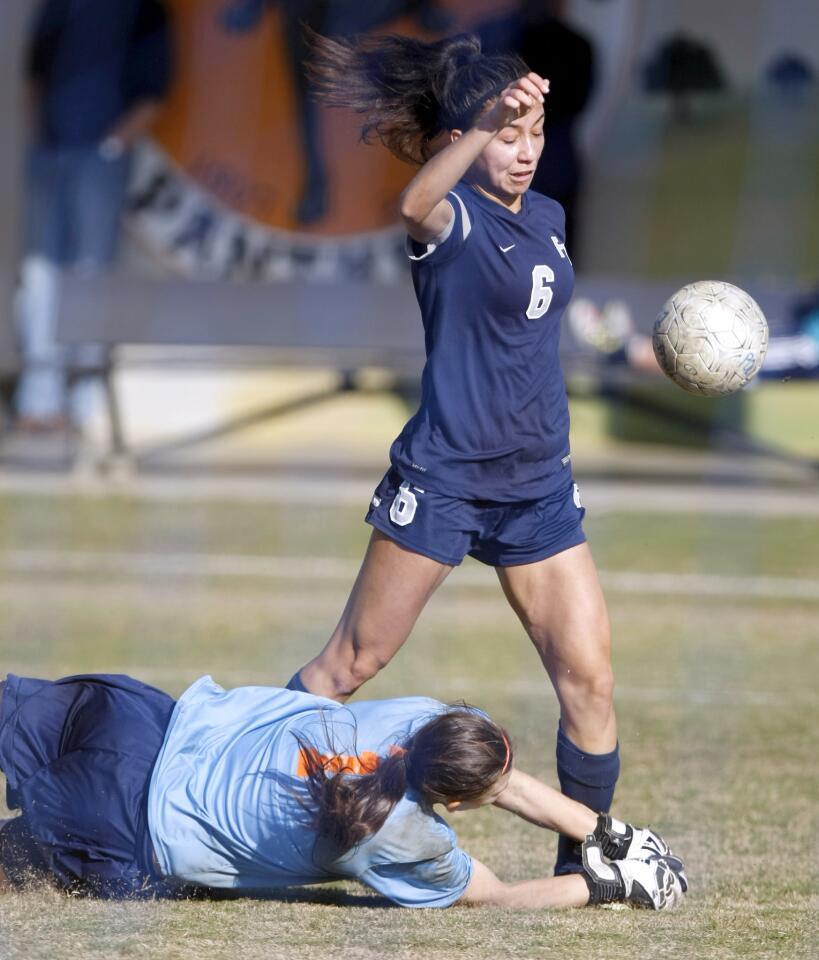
[(658, 883), (622, 841)]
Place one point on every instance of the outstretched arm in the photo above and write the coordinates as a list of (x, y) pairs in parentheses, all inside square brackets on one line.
[(654, 878), (424, 209), (658, 884), (539, 804), (487, 890), (546, 807)]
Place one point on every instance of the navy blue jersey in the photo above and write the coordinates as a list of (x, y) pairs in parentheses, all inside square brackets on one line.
[(493, 422)]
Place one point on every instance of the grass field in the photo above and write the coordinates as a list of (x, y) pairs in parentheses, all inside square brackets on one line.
[(716, 701)]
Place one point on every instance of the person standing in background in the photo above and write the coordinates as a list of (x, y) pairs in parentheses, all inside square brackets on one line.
[(96, 72)]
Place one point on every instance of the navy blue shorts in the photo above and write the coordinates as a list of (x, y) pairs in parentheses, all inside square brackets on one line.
[(447, 529), (78, 755)]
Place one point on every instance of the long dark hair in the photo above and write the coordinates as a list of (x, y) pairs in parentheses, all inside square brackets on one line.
[(456, 755), (409, 91)]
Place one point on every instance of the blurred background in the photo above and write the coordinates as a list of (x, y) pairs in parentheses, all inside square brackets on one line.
[(200, 266)]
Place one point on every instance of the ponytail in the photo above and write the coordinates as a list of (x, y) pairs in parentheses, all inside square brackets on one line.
[(346, 807), (409, 91), (456, 755)]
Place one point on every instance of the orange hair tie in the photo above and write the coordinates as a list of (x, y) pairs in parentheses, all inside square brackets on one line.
[(508, 754)]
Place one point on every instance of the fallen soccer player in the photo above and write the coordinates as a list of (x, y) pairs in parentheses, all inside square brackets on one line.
[(125, 793)]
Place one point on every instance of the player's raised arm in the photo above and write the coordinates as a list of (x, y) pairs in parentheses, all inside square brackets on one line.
[(423, 206)]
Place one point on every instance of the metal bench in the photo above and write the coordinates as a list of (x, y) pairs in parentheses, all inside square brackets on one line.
[(346, 327)]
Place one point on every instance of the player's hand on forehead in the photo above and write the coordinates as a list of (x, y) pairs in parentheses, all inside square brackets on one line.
[(519, 98), (525, 92)]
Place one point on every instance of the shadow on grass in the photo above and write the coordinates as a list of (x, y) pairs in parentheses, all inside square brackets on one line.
[(322, 896)]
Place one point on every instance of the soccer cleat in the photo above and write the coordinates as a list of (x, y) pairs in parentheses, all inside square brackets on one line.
[(658, 883), (622, 841)]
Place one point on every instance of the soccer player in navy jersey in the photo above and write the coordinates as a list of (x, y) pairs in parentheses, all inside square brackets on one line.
[(483, 468)]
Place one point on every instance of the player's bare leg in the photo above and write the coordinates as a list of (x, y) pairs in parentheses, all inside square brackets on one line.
[(560, 604), (392, 588)]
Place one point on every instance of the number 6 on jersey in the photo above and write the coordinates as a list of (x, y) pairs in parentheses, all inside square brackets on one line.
[(541, 292)]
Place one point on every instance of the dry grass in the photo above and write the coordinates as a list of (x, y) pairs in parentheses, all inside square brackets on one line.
[(717, 710)]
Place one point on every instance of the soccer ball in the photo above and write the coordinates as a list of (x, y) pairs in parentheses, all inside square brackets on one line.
[(710, 338)]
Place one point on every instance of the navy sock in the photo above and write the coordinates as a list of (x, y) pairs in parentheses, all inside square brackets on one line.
[(588, 778), (294, 683)]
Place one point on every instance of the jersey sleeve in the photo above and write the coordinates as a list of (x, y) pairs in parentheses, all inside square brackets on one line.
[(452, 238), (437, 882), (414, 860)]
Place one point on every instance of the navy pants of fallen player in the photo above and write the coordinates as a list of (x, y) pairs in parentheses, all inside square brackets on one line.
[(77, 755)]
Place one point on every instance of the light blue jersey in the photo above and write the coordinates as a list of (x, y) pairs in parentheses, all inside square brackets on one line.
[(227, 799)]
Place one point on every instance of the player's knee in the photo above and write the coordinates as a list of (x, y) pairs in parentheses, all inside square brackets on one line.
[(590, 695), (599, 688), (354, 663), (554, 644), (365, 664)]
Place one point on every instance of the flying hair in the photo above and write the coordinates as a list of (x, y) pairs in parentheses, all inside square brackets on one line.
[(408, 91)]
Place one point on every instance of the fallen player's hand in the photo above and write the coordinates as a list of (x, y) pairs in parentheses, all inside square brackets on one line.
[(655, 883), (623, 841)]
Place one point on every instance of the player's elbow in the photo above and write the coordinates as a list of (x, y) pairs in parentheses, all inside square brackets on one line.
[(417, 204), (412, 209), (485, 889), (499, 894)]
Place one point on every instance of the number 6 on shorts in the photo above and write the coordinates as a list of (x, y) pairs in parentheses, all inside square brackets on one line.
[(403, 506)]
